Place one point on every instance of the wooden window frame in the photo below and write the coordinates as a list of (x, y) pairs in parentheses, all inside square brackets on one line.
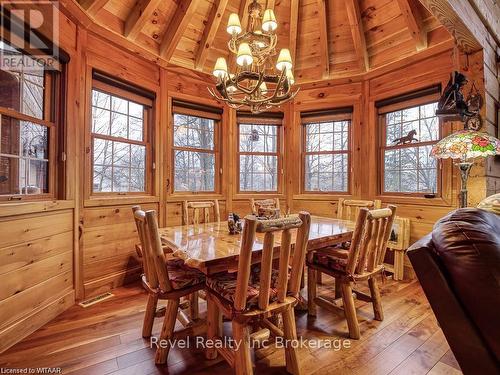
[(382, 147), (279, 154), (322, 119), (147, 142), (216, 151), (50, 120)]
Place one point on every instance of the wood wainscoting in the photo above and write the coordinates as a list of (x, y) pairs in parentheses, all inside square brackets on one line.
[(108, 242), (36, 267)]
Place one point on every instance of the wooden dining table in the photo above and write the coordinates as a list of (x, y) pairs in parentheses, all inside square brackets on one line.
[(210, 248)]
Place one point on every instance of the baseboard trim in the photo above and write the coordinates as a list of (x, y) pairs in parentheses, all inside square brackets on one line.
[(105, 284)]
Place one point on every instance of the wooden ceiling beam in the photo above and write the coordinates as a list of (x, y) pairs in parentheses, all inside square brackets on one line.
[(138, 17), (93, 6), (414, 22), (177, 27), (243, 13), (294, 28), (323, 38), (211, 28), (358, 33), (270, 4), (460, 19)]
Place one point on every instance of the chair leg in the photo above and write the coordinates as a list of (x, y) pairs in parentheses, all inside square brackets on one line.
[(290, 333), (302, 282), (338, 289), (242, 358), (376, 300), (167, 330), (350, 309), (214, 325), (149, 316), (312, 275), (193, 306), (398, 265)]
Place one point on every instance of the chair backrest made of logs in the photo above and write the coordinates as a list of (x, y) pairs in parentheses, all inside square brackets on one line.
[(369, 240), (153, 257), (266, 203), (285, 286), (348, 209), (197, 207)]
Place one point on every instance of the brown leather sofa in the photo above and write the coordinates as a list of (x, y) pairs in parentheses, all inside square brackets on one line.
[(458, 266)]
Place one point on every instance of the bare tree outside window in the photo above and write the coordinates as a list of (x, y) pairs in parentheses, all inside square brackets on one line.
[(326, 166), (119, 149), (24, 145), (194, 153), (258, 157), (26, 87), (408, 168)]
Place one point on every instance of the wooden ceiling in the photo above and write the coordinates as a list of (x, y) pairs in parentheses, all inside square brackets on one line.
[(328, 38)]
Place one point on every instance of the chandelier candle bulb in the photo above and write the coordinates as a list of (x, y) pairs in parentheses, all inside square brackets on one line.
[(244, 55), (269, 23), (220, 68), (259, 82), (284, 60), (233, 24)]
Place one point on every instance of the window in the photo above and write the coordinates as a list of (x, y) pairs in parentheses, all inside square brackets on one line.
[(326, 150), (28, 130), (409, 130), (120, 141), (195, 143), (259, 153)]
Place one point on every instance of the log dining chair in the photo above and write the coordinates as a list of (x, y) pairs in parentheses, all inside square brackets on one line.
[(348, 209), (197, 207), (271, 203), (363, 261), (165, 279), (256, 294), (191, 301)]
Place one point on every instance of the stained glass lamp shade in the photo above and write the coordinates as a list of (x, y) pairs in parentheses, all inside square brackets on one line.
[(465, 145)]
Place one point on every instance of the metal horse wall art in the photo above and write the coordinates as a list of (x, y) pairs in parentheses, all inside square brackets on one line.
[(409, 138), (453, 106)]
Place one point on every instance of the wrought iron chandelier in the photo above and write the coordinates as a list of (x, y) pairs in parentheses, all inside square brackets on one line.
[(256, 83)]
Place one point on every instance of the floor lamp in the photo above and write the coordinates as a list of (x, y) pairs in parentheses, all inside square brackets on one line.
[(464, 146)]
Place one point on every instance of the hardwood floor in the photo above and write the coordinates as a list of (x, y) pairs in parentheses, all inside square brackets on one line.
[(106, 339)]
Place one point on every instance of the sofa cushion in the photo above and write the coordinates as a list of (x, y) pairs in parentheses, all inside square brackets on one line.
[(491, 203), (182, 276), (467, 242), (335, 263)]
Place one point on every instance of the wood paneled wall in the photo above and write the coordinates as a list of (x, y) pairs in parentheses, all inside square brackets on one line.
[(475, 27), (108, 244), (38, 241)]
